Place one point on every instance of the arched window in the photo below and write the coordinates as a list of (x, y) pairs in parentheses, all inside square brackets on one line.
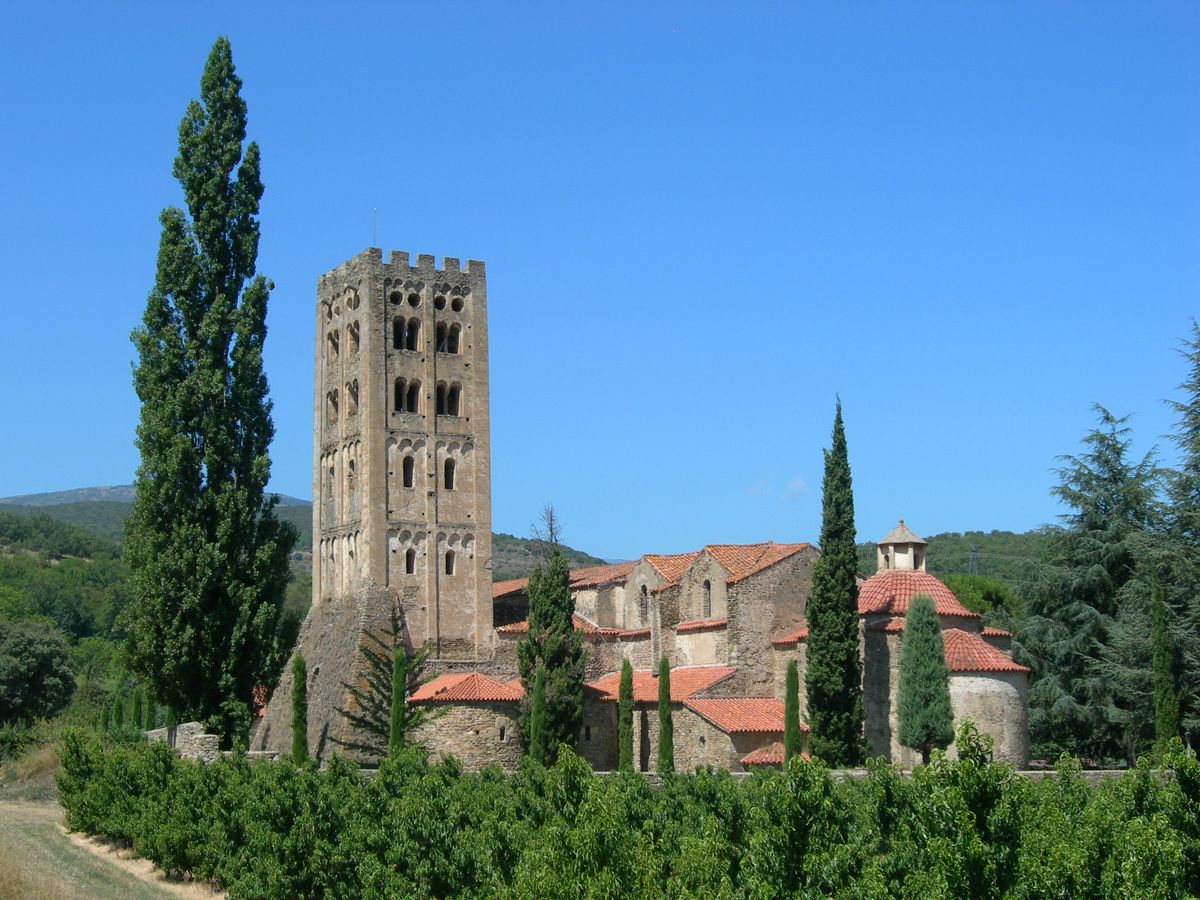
[(412, 402), (331, 347), (448, 473), (398, 333), (352, 333), (412, 334), (441, 338), (453, 398), (449, 562), (409, 468), (352, 397), (441, 399), (644, 605), (707, 598), (398, 395), (452, 339), (410, 561), (331, 407)]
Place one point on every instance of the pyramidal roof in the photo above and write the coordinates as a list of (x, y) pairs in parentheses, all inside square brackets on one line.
[(901, 534)]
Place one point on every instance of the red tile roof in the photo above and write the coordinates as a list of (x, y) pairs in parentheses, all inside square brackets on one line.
[(894, 625), (891, 590), (583, 626), (989, 631), (700, 625), (586, 577), (685, 681), (770, 755), (465, 687), (742, 715), (671, 565), (800, 634), (967, 652), (744, 560)]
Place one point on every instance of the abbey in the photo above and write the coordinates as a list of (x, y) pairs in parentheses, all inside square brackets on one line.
[(402, 528)]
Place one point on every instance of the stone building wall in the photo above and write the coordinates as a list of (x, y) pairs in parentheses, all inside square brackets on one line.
[(781, 656), (478, 734), (692, 591), (189, 740), (598, 736), (700, 743), (997, 703), (707, 647), (763, 606)]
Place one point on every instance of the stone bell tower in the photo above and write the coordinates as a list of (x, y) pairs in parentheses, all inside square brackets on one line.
[(401, 476)]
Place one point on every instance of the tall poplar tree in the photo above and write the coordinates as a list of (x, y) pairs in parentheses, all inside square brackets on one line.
[(666, 726), (833, 671), (209, 557), (625, 719), (554, 644), (923, 695)]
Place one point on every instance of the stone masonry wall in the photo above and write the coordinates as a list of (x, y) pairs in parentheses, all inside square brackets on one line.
[(189, 740), (478, 734)]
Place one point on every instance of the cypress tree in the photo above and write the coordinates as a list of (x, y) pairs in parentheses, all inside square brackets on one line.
[(537, 718), (171, 721), (148, 723), (209, 557), (137, 708), (792, 741), (399, 696), (299, 709), (554, 644), (923, 701), (833, 670), (105, 716), (666, 727), (1166, 692), (118, 717), (625, 718)]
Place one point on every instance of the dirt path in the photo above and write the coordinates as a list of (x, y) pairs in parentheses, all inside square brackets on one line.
[(40, 859)]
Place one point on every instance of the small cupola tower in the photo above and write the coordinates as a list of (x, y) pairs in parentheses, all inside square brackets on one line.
[(901, 549)]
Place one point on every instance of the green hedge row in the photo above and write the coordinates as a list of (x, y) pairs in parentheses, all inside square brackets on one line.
[(967, 828)]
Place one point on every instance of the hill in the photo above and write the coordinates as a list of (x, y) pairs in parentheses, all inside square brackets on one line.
[(101, 512), (1006, 555)]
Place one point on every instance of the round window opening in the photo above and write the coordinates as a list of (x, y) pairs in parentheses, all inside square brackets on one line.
[(456, 304)]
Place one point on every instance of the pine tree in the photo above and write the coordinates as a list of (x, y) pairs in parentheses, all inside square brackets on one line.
[(554, 644), (1166, 693), (792, 740), (666, 727), (1075, 705), (399, 698), (537, 718), (625, 718), (299, 709), (833, 670), (209, 558), (923, 700)]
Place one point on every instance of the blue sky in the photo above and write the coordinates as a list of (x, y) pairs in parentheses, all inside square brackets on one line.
[(701, 222)]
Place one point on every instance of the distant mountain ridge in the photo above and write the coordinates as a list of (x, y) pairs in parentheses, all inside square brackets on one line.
[(102, 511), (117, 493)]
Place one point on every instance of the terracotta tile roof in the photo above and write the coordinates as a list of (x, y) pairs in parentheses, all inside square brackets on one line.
[(258, 701), (512, 586), (700, 625), (891, 590), (588, 576), (685, 681), (742, 715), (671, 565), (988, 631), (582, 625), (744, 560), (800, 634), (894, 625), (465, 687), (770, 755), (967, 652)]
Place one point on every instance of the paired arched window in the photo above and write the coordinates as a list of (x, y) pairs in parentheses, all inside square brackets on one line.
[(406, 333), (448, 338), (410, 561), (406, 396), (448, 475), (449, 400), (409, 468), (449, 562)]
